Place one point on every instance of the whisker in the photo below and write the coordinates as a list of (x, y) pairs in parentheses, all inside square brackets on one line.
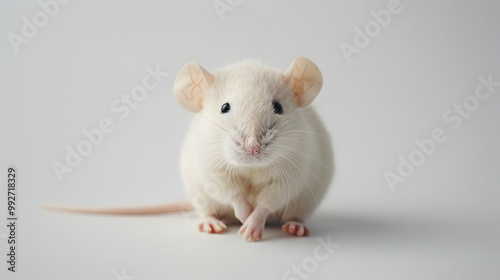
[(282, 146), (218, 125), (296, 167), (312, 173), (302, 143), (287, 190)]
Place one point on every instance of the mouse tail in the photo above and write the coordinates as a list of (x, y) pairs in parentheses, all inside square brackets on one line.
[(175, 207)]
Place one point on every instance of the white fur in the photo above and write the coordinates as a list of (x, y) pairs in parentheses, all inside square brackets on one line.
[(290, 175)]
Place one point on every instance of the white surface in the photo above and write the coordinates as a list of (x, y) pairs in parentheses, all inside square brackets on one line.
[(441, 223)]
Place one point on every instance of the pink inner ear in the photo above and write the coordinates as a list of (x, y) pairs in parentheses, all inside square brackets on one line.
[(190, 86), (304, 78), (209, 78), (194, 90), (295, 78)]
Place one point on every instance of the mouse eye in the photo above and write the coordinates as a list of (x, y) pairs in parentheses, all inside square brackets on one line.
[(225, 108), (277, 108)]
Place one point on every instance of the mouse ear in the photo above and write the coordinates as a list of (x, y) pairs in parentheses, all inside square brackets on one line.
[(190, 86), (305, 80)]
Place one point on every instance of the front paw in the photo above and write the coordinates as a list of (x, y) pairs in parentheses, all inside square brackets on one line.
[(252, 228)]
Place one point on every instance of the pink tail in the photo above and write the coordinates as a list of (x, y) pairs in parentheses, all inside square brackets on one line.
[(146, 210)]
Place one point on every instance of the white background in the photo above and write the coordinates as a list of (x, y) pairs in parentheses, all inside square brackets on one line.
[(441, 223)]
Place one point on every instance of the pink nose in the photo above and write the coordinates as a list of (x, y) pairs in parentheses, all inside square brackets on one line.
[(253, 150)]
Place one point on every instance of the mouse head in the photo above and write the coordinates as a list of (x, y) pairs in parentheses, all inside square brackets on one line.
[(249, 107)]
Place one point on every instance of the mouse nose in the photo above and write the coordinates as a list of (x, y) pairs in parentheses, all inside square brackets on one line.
[(253, 150)]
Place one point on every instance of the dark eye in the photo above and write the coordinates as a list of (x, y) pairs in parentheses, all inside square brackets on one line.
[(225, 108), (277, 108)]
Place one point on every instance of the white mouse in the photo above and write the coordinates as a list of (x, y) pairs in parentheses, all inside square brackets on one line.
[(256, 152)]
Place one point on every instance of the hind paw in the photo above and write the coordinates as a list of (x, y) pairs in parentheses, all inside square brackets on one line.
[(211, 225), (295, 228)]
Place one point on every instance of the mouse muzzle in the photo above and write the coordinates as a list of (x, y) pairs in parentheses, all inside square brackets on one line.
[(252, 146)]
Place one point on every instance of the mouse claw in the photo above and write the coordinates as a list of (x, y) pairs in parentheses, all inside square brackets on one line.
[(251, 230), (211, 225), (295, 228), (251, 234)]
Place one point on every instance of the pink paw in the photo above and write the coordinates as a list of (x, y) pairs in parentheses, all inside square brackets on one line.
[(295, 228), (211, 225), (252, 229)]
